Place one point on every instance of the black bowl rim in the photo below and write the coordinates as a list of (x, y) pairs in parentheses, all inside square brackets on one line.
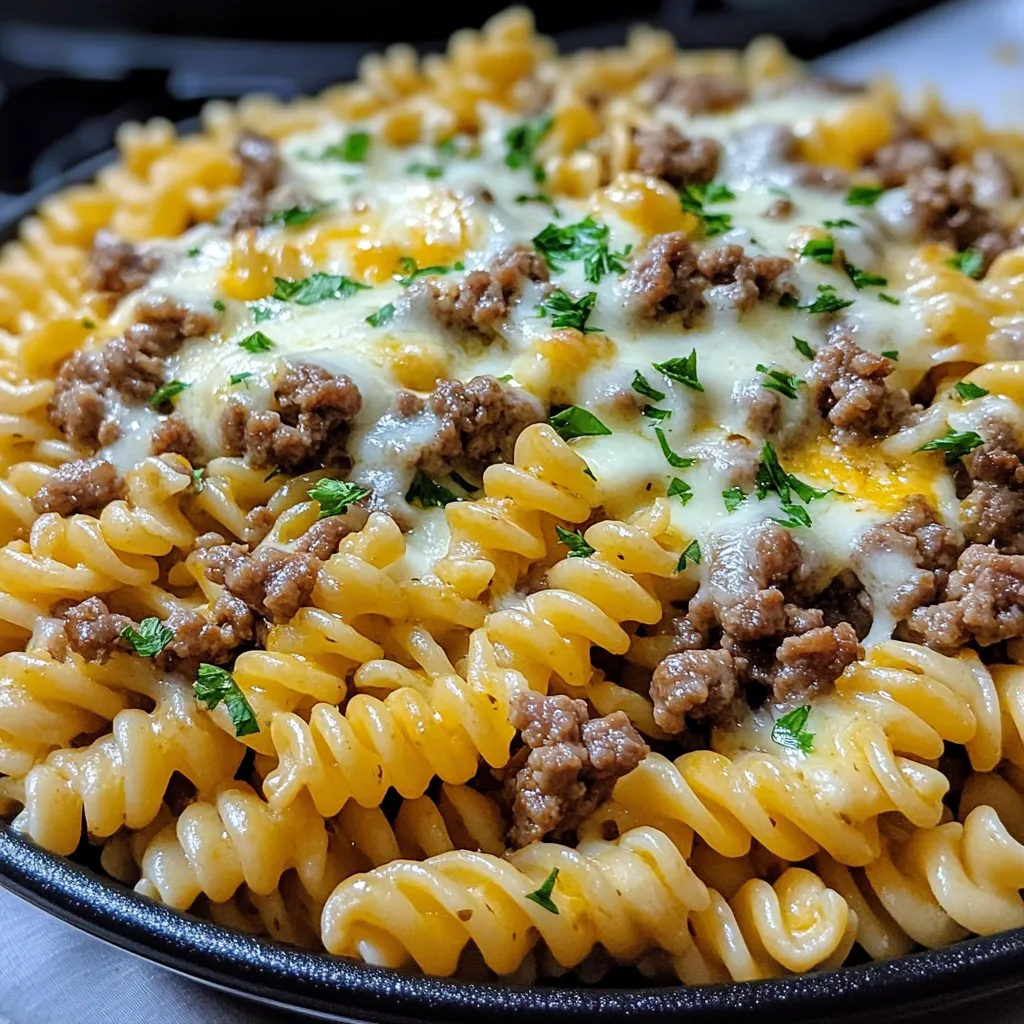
[(336, 988)]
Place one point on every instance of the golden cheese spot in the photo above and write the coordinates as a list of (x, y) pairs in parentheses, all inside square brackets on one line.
[(649, 204), (414, 364), (864, 473), (847, 136), (1001, 379), (557, 360)]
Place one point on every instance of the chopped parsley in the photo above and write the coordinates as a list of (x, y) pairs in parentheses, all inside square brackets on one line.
[(841, 223), (353, 149), (683, 370), (823, 250), (568, 312), (240, 378), (968, 389), (576, 421), (538, 197), (733, 498), (264, 309), (383, 316), (447, 147), (256, 342), (954, 444), (654, 413), (970, 262), (215, 685), (676, 461), (87, 323), (150, 638), (193, 252), (318, 287), (166, 392), (335, 496), (427, 493), (779, 380), (412, 272), (864, 195), (679, 489), (197, 480), (790, 730), (296, 216), (542, 896), (826, 301), (803, 347), (521, 142), (573, 540), (431, 171), (692, 199), (587, 241), (862, 279), (772, 477), (796, 515), (642, 387), (891, 299), (691, 553), (892, 354)]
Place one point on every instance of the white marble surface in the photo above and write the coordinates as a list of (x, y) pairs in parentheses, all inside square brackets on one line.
[(51, 974)]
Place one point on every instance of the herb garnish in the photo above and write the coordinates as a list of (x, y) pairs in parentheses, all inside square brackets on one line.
[(576, 421), (779, 380), (654, 413), (733, 498), (383, 316), (967, 390), (150, 638), (538, 197), (316, 288), (641, 386), (679, 489), (676, 461), (821, 249), (970, 262), (351, 150), (891, 353), (841, 223), (587, 241), (240, 378), (826, 301), (573, 540), (522, 141), (863, 195), (166, 392), (412, 272), (789, 730), (567, 312), (427, 493), (256, 342), (219, 306), (214, 685), (296, 216), (891, 299), (683, 370), (862, 279), (954, 444), (772, 477), (803, 347), (335, 496), (542, 896), (197, 480), (692, 199), (690, 553), (431, 171)]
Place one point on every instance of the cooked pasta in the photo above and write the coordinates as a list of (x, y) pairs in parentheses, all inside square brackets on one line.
[(529, 515)]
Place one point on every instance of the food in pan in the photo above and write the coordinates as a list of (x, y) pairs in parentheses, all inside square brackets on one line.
[(520, 513)]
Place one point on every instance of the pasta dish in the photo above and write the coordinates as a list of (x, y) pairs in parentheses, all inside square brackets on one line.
[(519, 514)]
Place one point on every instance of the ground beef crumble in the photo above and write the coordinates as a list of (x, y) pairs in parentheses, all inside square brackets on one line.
[(664, 152), (261, 168), (307, 429), (117, 266), (672, 277), (697, 94), (81, 486), (568, 766), (992, 481)]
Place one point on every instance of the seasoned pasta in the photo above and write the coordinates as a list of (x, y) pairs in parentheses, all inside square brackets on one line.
[(522, 515)]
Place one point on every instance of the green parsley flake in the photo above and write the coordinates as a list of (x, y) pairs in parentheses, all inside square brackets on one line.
[(166, 392), (841, 223), (215, 685), (680, 489), (383, 316), (587, 241), (197, 480), (683, 370), (733, 498), (88, 324), (542, 896), (970, 262), (654, 413), (803, 347), (823, 250), (862, 279), (427, 494), (193, 252), (240, 378), (538, 197), (968, 389), (796, 515), (692, 199), (431, 171), (317, 287), (219, 306), (892, 354), (575, 421), (954, 444), (521, 143), (150, 638), (296, 216), (891, 299), (573, 540), (826, 301), (335, 496), (642, 387), (676, 461), (412, 273), (863, 195), (782, 381), (256, 342), (771, 477), (790, 730), (690, 554), (568, 312), (353, 149)]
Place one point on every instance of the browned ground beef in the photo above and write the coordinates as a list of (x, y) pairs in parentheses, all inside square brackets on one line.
[(993, 508), (259, 521), (261, 168), (902, 159), (780, 209), (117, 266), (814, 659), (698, 94), (482, 299), (321, 540), (984, 602), (479, 423), (91, 629), (916, 533), (665, 152), (92, 385), (849, 387), (273, 583), (671, 277), (568, 766), (173, 434), (696, 685), (81, 486), (307, 430)]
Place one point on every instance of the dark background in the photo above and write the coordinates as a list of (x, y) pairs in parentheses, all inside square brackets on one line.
[(72, 70)]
